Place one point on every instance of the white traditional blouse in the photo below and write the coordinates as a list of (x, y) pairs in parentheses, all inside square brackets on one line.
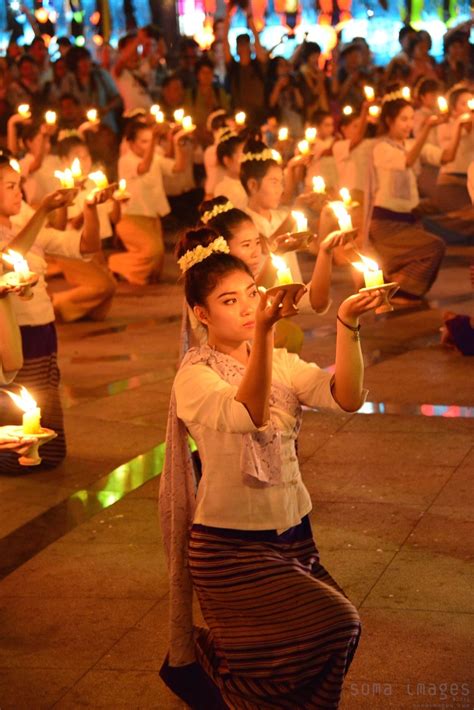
[(216, 421), (465, 151), (234, 191), (353, 165), (148, 197)]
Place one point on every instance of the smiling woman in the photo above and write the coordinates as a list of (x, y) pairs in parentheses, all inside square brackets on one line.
[(244, 542)]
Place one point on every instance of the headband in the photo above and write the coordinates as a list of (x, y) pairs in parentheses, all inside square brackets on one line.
[(217, 209), (199, 253), (398, 94), (265, 154)]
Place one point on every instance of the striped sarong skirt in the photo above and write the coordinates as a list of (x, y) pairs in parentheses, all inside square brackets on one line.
[(40, 375), (282, 633), (408, 254)]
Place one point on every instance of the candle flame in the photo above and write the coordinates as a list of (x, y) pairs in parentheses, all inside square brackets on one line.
[(369, 93), (187, 123), (122, 185), (310, 134), (15, 165), (279, 263), (76, 168), (318, 184), (240, 118), (366, 264), (99, 178), (276, 156), (374, 111), (14, 258), (154, 109), (24, 400), (283, 133), (442, 104), (347, 110), (92, 115), (50, 117), (470, 104), (346, 195), (24, 109), (303, 147), (178, 115), (406, 93)]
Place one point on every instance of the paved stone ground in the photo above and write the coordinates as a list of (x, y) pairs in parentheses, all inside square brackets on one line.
[(83, 599)]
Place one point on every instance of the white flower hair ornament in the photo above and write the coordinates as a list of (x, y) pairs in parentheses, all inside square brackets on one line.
[(217, 209), (266, 154), (199, 253), (403, 93)]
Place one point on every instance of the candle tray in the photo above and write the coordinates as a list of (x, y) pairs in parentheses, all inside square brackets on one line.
[(289, 308), (31, 457), (388, 291)]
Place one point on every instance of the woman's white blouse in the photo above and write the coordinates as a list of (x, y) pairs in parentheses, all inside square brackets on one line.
[(353, 165), (232, 189), (148, 197), (216, 421), (395, 183), (465, 151)]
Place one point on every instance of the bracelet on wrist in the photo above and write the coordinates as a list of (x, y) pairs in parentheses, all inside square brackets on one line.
[(354, 329)]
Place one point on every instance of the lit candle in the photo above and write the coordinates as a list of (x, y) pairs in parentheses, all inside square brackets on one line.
[(442, 104), (20, 265), (374, 111), (240, 118), (178, 115), (369, 93), (347, 110), (154, 109), (310, 134), (303, 147), (346, 196), (76, 170), (65, 177), (159, 117), (319, 185), (92, 115), (31, 411), (283, 270), (276, 156), (100, 179), (283, 133), (406, 93), (470, 104), (373, 276), (24, 110), (50, 117), (187, 124), (343, 217), (301, 221)]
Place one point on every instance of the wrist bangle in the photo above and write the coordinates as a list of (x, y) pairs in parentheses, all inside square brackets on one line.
[(354, 329)]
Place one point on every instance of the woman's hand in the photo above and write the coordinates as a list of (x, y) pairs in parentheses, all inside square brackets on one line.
[(337, 239), (63, 197), (18, 444), (98, 197), (268, 310), (353, 307)]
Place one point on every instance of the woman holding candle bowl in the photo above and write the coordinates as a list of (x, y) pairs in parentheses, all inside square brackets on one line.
[(35, 317), (246, 540)]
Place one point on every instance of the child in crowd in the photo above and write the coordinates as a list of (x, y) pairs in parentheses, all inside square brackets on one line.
[(244, 542), (140, 225)]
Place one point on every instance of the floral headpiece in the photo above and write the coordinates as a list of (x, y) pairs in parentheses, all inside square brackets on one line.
[(266, 154), (199, 253), (398, 94), (69, 133), (217, 209), (226, 135)]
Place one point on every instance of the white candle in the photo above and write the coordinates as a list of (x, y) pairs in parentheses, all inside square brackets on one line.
[(283, 270), (20, 265), (50, 117), (32, 413), (374, 111), (65, 177), (442, 104), (155, 109), (369, 93), (283, 133), (99, 178), (373, 276), (24, 110), (310, 134), (406, 93), (319, 186), (347, 110), (187, 123), (159, 117), (240, 118), (92, 115), (301, 221), (470, 104), (178, 115), (76, 170), (303, 147), (343, 217), (346, 196)]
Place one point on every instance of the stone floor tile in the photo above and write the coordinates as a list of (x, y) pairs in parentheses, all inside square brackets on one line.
[(38, 688)]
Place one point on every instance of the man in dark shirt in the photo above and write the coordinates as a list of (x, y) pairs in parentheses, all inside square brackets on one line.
[(246, 77)]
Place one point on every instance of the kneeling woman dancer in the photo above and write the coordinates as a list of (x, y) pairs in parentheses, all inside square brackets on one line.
[(282, 633)]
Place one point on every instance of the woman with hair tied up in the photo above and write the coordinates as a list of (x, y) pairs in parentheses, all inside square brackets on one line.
[(281, 632), (409, 255)]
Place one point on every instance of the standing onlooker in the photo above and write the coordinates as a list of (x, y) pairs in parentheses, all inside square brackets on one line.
[(205, 98), (454, 67), (246, 77), (285, 98), (132, 85), (313, 83)]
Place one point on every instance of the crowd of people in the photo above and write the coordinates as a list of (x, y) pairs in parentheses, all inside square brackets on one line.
[(101, 157)]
